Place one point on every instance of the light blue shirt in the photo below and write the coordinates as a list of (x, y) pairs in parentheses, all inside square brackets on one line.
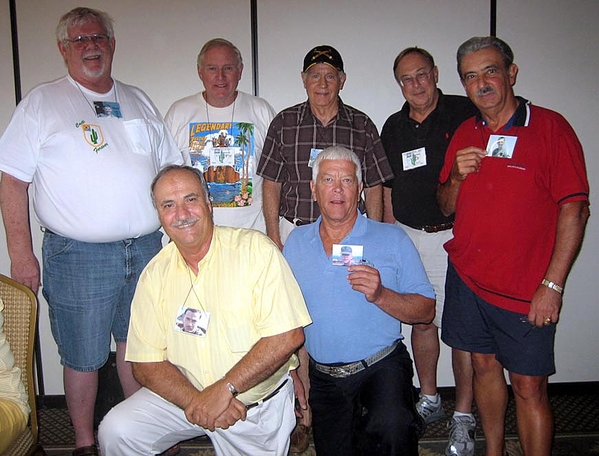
[(346, 327)]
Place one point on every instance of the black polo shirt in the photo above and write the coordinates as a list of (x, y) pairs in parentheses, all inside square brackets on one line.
[(413, 191)]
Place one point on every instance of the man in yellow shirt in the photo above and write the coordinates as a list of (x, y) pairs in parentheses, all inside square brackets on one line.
[(232, 382)]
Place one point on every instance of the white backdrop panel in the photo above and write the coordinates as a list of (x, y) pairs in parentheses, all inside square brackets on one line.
[(157, 41), (368, 35), (7, 88), (555, 47)]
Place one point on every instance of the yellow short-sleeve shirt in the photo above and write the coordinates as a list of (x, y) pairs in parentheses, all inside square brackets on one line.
[(246, 286)]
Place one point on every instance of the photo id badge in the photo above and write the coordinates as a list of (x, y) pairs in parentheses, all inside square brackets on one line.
[(108, 109), (313, 154), (347, 255), (222, 156), (501, 146), (414, 158), (192, 321)]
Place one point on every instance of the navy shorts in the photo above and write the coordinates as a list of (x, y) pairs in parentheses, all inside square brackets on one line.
[(89, 288), (472, 324)]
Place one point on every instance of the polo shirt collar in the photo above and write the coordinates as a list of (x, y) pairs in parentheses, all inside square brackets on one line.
[(404, 113), (520, 118), (358, 230)]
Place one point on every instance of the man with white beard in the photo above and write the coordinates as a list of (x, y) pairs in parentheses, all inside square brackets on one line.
[(90, 175)]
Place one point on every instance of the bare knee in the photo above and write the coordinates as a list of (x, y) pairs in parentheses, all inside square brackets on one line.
[(529, 388), (486, 364), (425, 329)]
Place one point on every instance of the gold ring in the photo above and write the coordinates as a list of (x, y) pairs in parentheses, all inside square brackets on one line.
[(548, 320)]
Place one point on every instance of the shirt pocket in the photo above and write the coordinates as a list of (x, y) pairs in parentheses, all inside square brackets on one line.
[(142, 135), (239, 334)]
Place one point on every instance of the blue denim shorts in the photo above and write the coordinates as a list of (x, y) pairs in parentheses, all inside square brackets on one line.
[(472, 324), (89, 288)]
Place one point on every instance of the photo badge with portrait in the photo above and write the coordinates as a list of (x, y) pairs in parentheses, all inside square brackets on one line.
[(500, 146), (347, 255), (192, 321)]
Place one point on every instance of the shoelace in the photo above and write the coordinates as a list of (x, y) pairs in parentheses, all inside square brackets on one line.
[(459, 430), (427, 408)]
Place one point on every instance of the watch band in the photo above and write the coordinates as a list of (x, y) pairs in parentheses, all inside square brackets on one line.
[(232, 389), (554, 286)]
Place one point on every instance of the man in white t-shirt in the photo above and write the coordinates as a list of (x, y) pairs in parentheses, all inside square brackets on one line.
[(221, 131), (90, 175)]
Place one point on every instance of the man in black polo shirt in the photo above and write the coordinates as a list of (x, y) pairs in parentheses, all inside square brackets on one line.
[(415, 140)]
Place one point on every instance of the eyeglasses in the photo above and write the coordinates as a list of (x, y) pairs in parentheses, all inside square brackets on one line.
[(421, 77), (81, 41)]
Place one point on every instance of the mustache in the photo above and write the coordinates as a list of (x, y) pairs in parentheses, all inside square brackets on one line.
[(187, 221), (484, 91)]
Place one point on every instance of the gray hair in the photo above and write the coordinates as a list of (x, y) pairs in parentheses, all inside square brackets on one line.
[(81, 16), (337, 153), (412, 50), (167, 169), (478, 43), (219, 42)]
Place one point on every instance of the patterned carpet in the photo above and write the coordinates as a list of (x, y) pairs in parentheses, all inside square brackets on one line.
[(575, 407)]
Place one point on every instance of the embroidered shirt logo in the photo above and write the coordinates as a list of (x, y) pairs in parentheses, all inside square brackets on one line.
[(93, 136)]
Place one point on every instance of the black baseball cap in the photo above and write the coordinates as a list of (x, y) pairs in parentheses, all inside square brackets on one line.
[(323, 54)]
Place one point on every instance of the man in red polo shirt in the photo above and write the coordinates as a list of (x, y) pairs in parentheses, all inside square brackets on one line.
[(519, 221)]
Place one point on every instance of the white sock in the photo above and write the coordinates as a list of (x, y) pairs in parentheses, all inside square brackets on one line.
[(456, 413), (434, 399)]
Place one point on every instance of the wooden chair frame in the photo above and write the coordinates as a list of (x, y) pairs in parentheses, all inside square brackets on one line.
[(20, 324)]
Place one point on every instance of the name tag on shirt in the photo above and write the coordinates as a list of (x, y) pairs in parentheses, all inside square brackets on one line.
[(414, 158), (313, 154), (192, 321), (108, 109)]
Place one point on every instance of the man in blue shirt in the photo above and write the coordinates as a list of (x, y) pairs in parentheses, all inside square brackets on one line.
[(360, 373)]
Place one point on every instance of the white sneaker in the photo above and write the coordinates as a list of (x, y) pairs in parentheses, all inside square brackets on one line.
[(462, 431), (429, 411)]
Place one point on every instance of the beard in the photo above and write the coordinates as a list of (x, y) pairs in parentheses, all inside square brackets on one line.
[(96, 56), (95, 73)]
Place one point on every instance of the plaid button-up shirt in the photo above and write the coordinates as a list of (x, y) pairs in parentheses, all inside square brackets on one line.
[(294, 132)]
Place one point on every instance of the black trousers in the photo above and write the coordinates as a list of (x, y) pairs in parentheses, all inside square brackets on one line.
[(370, 413)]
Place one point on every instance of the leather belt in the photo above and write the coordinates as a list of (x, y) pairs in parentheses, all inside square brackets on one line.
[(296, 221), (434, 228), (345, 370), (268, 396)]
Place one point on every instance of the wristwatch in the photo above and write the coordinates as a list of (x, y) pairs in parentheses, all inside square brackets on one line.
[(554, 286), (232, 389)]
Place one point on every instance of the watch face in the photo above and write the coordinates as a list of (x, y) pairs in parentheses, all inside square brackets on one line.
[(232, 390)]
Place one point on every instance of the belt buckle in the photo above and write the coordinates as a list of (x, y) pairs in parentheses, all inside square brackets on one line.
[(338, 372)]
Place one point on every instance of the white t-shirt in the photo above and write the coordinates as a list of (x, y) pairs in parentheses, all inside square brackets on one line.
[(91, 173), (225, 143)]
